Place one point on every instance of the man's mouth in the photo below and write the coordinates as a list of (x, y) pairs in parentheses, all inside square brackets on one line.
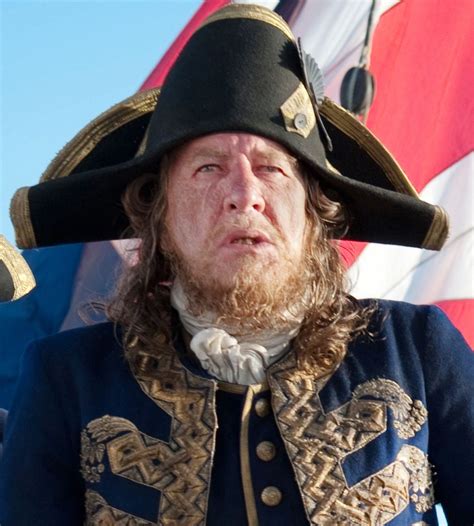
[(245, 241), (246, 238)]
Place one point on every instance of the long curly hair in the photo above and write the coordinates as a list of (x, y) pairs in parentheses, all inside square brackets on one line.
[(141, 305)]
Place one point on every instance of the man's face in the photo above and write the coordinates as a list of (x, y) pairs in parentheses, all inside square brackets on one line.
[(236, 205)]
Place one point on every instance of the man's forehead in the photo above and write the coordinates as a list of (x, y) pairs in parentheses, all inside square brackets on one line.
[(226, 144)]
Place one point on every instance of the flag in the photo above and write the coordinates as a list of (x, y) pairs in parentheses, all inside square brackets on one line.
[(423, 62)]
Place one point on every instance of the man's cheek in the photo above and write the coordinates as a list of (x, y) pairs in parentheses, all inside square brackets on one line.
[(191, 233)]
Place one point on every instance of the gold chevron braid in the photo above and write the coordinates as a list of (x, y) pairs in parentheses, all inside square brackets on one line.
[(90, 136), (140, 458), (317, 442), (22, 277), (190, 401), (181, 468), (100, 513), (252, 12), (348, 124)]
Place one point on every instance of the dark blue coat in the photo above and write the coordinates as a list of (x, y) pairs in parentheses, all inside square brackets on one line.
[(377, 442)]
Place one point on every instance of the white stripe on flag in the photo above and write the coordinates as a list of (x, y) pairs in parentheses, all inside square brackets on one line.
[(333, 32), (416, 276)]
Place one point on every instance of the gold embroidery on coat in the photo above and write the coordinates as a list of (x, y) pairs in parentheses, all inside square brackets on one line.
[(317, 443), (181, 468), (184, 474), (92, 454), (409, 414), (94, 441), (421, 484), (99, 513)]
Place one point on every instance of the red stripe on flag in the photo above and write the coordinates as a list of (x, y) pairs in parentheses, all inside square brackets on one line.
[(461, 314), (350, 251), (158, 75), (423, 62)]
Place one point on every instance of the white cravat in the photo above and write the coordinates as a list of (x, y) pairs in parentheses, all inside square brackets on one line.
[(222, 355)]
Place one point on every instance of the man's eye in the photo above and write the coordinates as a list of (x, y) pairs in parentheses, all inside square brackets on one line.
[(271, 169), (208, 168)]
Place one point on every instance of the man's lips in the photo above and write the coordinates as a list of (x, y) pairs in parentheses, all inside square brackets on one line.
[(246, 238)]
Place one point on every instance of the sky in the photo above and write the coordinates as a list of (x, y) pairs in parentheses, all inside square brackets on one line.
[(62, 63)]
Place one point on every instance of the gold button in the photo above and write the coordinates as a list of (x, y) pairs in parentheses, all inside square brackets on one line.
[(271, 496), (262, 407), (266, 451)]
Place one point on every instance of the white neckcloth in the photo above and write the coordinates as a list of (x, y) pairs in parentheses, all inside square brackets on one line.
[(222, 355)]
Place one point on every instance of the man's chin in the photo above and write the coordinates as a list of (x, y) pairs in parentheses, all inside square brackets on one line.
[(253, 290), (252, 294), (231, 274)]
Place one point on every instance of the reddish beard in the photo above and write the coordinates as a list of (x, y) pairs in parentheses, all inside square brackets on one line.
[(258, 295)]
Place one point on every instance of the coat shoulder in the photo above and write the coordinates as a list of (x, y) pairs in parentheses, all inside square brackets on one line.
[(92, 344), (390, 313)]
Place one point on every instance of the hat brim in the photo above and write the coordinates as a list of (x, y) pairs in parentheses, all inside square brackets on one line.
[(16, 278), (79, 195)]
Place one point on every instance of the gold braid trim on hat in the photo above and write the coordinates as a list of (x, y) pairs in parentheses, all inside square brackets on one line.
[(344, 121), (90, 136), (438, 231), (252, 12), (22, 277), (21, 219)]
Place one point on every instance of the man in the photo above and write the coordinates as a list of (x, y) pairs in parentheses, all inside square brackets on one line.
[(254, 389)]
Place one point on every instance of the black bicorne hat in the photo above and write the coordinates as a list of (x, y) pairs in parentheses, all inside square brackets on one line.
[(240, 72)]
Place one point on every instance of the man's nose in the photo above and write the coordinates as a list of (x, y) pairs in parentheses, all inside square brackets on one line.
[(244, 190)]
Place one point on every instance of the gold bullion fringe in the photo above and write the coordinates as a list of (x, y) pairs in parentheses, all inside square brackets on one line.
[(21, 219), (438, 231), (345, 122), (252, 12), (90, 136)]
